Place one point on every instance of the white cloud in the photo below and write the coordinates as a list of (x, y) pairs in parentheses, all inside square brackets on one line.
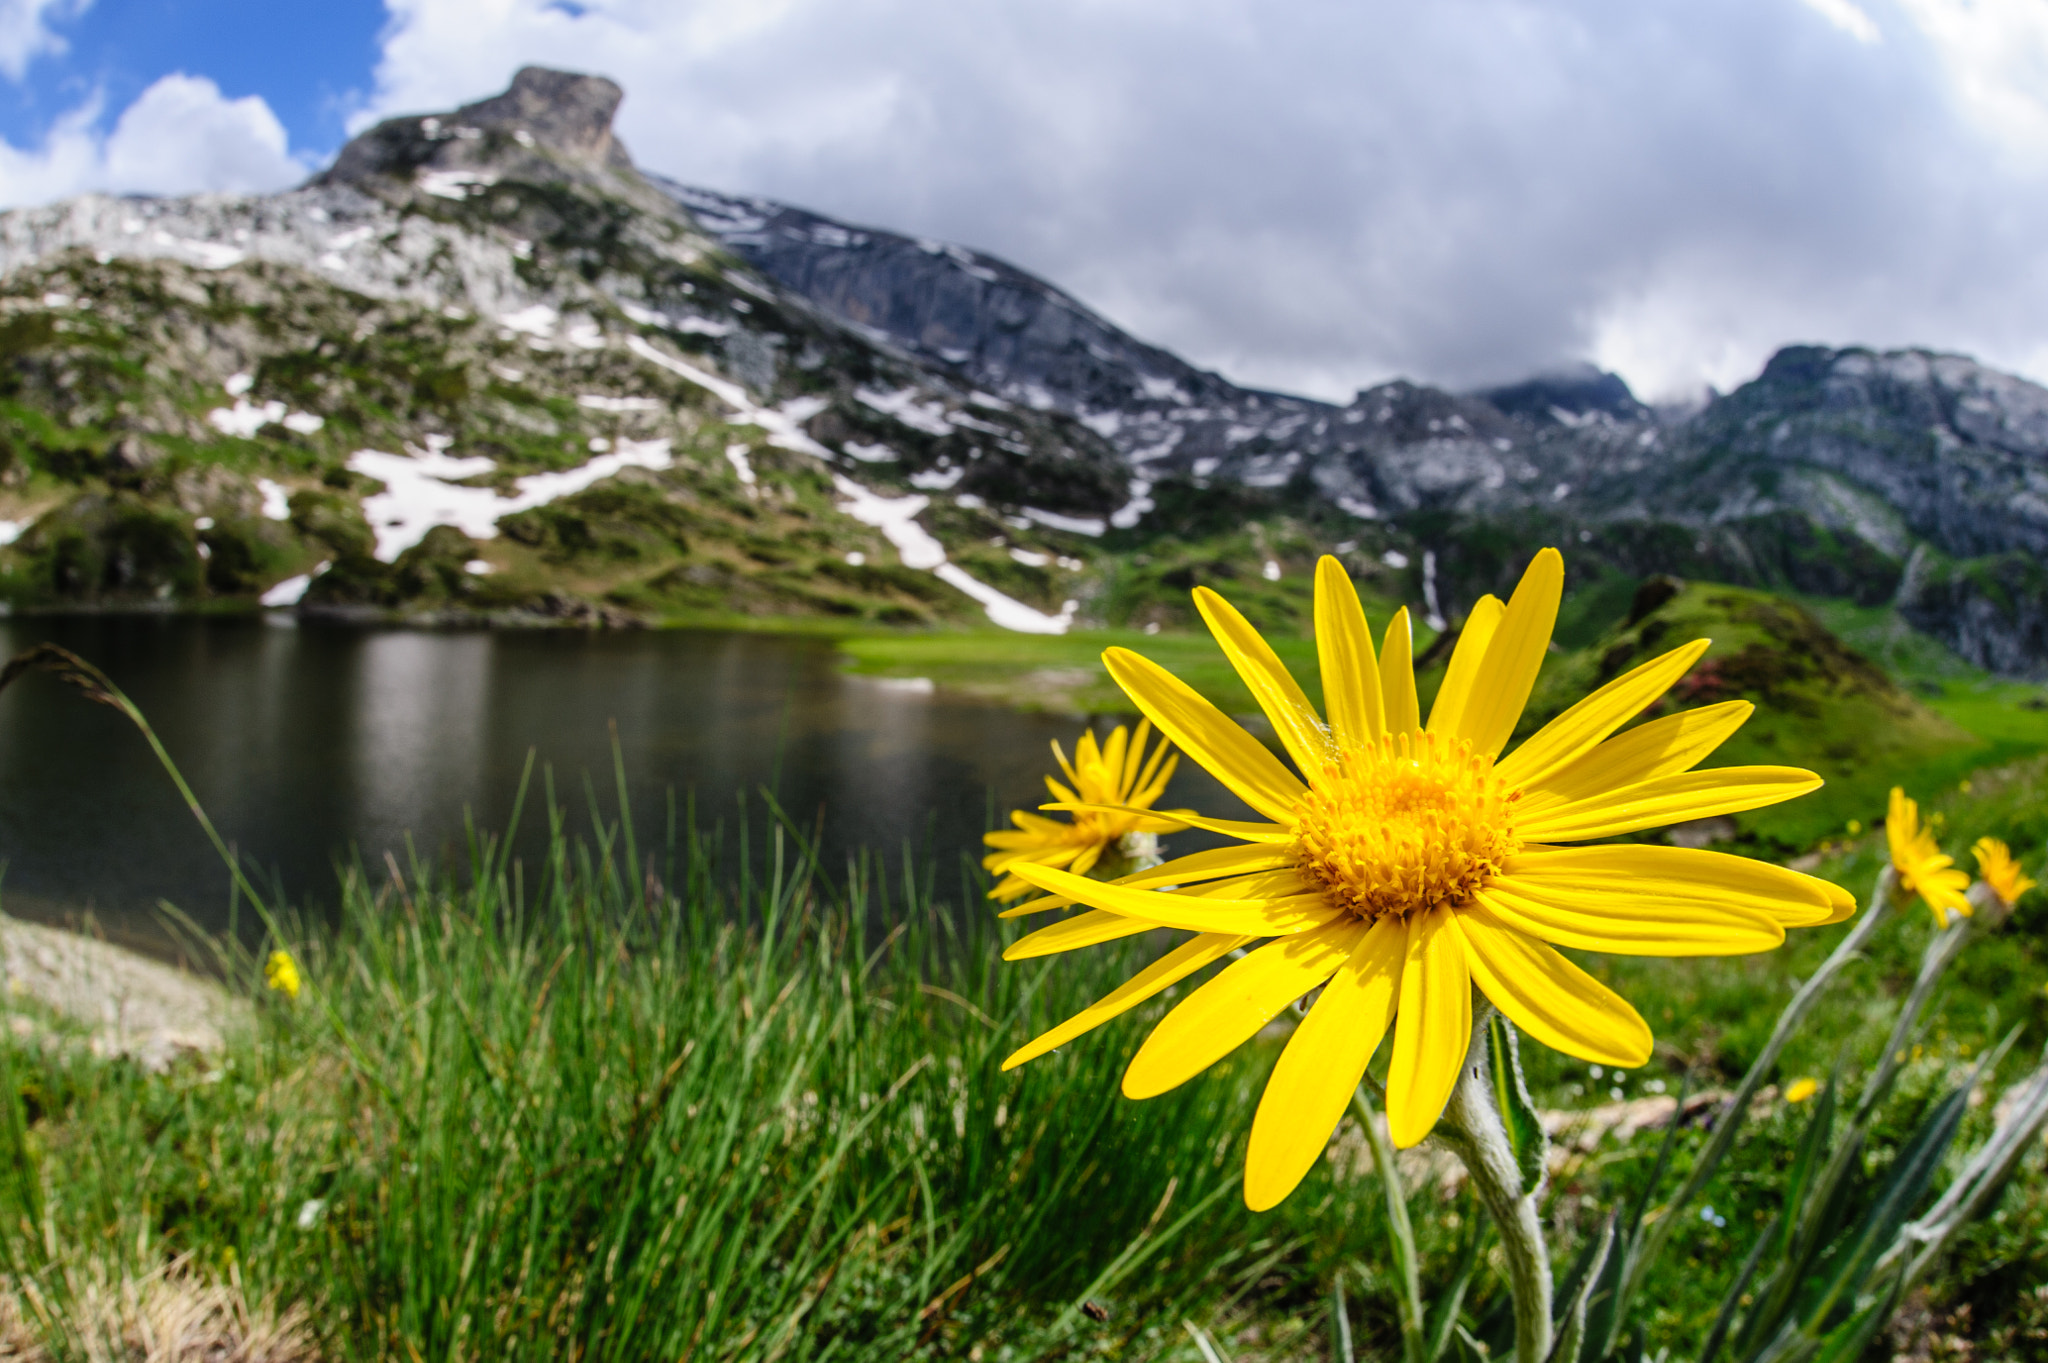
[(1317, 194), (25, 32), (1844, 15), (181, 135)]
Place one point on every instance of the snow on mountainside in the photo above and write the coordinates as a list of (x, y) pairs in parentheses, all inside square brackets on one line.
[(483, 365)]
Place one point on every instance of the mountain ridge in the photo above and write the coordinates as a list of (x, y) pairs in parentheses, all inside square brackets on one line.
[(939, 435)]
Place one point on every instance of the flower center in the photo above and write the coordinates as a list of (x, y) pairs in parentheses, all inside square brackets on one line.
[(1409, 822)]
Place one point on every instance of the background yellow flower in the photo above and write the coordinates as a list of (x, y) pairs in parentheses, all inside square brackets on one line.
[(2000, 871), (1116, 773), (281, 973), (1924, 869)]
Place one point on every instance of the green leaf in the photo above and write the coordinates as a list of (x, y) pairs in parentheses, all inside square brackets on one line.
[(1518, 1114), (1846, 1342), (1907, 1181)]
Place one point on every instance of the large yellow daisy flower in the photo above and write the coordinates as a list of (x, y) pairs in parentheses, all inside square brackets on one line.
[(2000, 871), (1402, 863), (1112, 784), (1924, 869)]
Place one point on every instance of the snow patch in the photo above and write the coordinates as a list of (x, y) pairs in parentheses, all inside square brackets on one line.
[(10, 531), (1030, 559), (1008, 612), (1364, 510), (290, 591), (277, 503), (538, 320), (937, 480), (784, 424), (244, 419), (929, 417), (421, 491), (1435, 617), (305, 423), (207, 255), (736, 455), (1073, 525), (454, 184), (1128, 515), (869, 454), (598, 403), (239, 384), (896, 518), (1271, 572), (1394, 558)]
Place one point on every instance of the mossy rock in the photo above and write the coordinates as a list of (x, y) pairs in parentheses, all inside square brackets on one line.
[(109, 548)]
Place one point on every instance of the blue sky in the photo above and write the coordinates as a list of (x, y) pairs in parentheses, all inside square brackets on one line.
[(1312, 195), (311, 61)]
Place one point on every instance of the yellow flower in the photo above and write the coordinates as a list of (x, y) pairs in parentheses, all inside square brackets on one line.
[(281, 973), (1408, 862), (1801, 1090), (1924, 869), (1114, 773), (2000, 871)]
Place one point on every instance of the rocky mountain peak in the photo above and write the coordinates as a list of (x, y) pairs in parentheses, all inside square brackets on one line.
[(545, 120)]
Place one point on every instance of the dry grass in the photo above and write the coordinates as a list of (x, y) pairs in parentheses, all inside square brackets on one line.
[(173, 1316)]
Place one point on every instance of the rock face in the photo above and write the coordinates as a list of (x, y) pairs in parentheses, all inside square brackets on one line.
[(547, 115), (500, 284)]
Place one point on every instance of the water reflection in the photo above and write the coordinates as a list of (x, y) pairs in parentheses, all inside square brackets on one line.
[(308, 744)]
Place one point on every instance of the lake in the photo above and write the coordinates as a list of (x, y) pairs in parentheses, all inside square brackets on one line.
[(311, 742)]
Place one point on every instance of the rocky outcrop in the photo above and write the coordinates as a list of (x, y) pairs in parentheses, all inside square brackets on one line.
[(546, 121), (1993, 610)]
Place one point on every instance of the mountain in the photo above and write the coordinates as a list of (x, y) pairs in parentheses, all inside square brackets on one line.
[(483, 366)]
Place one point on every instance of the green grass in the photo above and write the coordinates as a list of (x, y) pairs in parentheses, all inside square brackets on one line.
[(627, 1104), (616, 1106)]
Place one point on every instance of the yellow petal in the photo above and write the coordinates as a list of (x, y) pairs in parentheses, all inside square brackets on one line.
[(1668, 800), (1789, 897), (1515, 656), (1070, 934), (1551, 999), (1661, 747), (1351, 674), (1154, 909), (1113, 756), (1176, 965), (1188, 870), (1397, 676), (1296, 722), (1576, 731), (1227, 1011), (1434, 1027), (1324, 1060), (1448, 711), (1206, 734), (1628, 924), (1234, 828)]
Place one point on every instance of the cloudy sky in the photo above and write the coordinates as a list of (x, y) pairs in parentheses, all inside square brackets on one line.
[(1307, 194)]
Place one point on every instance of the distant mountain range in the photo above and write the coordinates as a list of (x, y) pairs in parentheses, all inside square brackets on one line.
[(484, 367)]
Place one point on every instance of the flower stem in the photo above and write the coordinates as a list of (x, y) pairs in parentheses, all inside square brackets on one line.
[(1481, 1141)]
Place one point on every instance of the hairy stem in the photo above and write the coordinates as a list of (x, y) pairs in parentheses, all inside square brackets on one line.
[(1489, 1158)]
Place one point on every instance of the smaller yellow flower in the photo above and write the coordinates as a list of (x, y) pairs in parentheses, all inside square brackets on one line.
[(1924, 869), (1855, 827), (2000, 871), (1801, 1089), (1114, 772), (281, 973)]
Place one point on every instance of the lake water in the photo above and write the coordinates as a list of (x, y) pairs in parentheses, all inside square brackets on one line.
[(304, 742)]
